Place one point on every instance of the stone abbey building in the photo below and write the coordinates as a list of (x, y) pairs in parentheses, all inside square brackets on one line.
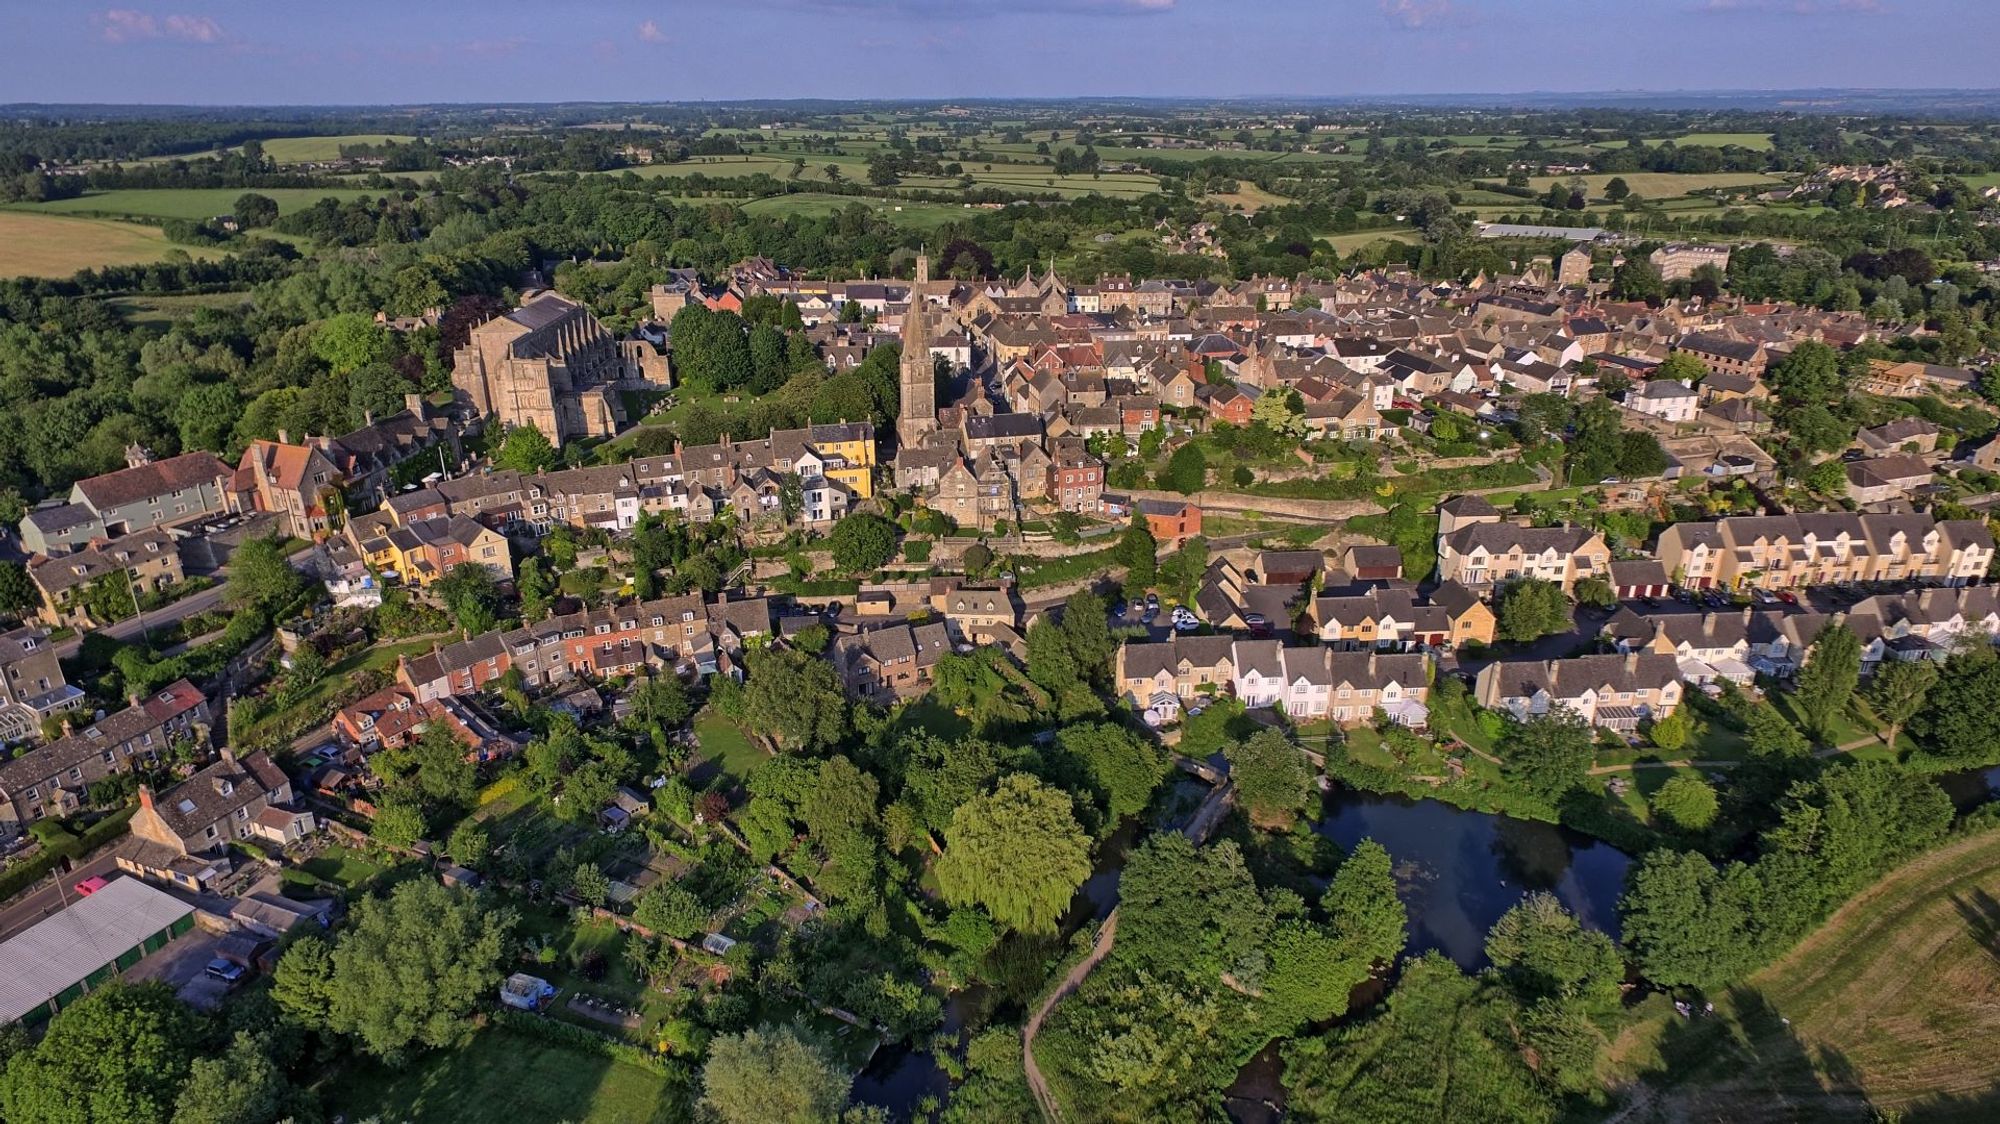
[(551, 365)]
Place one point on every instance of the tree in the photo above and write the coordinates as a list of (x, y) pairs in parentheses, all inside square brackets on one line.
[(469, 843), (1362, 908), (1593, 452), (1531, 609), (1017, 852), (663, 703), (409, 968), (1828, 478), (1550, 754), (1638, 280), (1809, 375), (862, 541), (526, 449), (1138, 552), (1827, 681), (773, 1075), (1282, 410), (1686, 922), (261, 578), (471, 595), (1671, 732), (243, 1086), (120, 1053), (1191, 913), (1771, 735), (1616, 189), (302, 985), (18, 594), (350, 341), (1270, 776), (670, 908), (1961, 713), (1596, 591), (1681, 367), (1543, 951), (796, 698), (1897, 691), (1123, 766), (1640, 455), (1186, 471), (254, 211), (399, 822), (1687, 800)]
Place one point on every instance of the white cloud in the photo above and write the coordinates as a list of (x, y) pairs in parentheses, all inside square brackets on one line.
[(1418, 13), (127, 25), (649, 32)]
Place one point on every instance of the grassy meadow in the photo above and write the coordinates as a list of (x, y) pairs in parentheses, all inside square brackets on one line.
[(36, 245)]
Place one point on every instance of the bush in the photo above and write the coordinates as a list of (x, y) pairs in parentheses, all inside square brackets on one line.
[(916, 550)]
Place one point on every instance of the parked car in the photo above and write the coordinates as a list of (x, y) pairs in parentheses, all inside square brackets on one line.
[(91, 885), (1788, 597), (228, 971)]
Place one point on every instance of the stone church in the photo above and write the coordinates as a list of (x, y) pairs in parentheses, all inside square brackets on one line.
[(551, 365)]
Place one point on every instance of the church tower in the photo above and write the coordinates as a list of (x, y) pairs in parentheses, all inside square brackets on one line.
[(918, 416)]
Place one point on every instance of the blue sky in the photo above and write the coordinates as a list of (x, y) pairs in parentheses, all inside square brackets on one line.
[(380, 51)]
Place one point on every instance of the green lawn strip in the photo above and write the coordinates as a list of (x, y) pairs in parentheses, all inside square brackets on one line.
[(501, 1074)]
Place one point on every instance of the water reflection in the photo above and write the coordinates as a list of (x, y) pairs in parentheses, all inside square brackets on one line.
[(1458, 871)]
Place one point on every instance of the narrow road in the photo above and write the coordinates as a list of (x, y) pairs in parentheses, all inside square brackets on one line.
[(199, 602), (53, 892), (1197, 830)]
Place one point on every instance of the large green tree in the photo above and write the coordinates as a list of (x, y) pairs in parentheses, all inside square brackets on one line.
[(1271, 776), (772, 1075), (1550, 754), (1017, 852), (1544, 951), (410, 967), (1531, 609), (795, 698), (862, 541), (1827, 681), (1961, 713), (241, 1086), (120, 1053), (262, 579)]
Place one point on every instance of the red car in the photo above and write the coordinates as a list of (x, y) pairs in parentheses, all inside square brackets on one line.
[(91, 885)]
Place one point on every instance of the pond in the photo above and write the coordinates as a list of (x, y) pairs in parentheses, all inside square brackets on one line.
[(1969, 788), (1458, 871)]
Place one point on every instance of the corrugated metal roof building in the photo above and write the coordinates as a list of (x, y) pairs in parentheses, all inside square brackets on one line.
[(52, 964)]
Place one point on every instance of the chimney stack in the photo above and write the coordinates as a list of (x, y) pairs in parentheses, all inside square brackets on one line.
[(146, 797)]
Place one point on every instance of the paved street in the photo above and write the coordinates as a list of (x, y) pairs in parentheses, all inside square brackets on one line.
[(129, 629), (51, 894)]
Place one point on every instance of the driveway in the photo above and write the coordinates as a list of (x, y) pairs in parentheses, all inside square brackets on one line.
[(179, 966)]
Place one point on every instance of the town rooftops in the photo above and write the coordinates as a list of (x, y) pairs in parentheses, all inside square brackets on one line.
[(159, 478)]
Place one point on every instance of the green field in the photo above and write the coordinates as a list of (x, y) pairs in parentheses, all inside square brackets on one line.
[(297, 150), (1022, 177), (1760, 142), (1890, 1005), (1663, 185), (160, 311), (503, 1074), (181, 203), (814, 205), (56, 246)]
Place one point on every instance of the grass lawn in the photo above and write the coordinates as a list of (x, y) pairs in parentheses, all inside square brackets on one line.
[(161, 311), (725, 746), (506, 1075), (343, 865), (1891, 1009), (41, 245), (180, 202), (1355, 240), (295, 150)]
